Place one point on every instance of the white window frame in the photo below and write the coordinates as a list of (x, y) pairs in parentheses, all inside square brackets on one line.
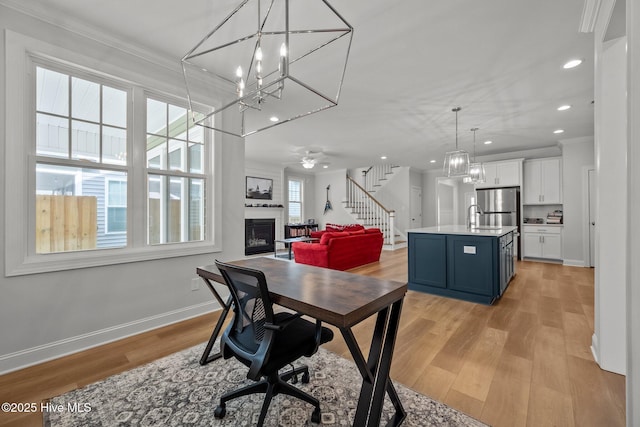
[(20, 162), (301, 181)]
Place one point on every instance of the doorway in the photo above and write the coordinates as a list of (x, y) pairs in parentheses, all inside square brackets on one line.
[(447, 201), (415, 221)]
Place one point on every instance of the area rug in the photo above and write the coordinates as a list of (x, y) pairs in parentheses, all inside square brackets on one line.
[(177, 391)]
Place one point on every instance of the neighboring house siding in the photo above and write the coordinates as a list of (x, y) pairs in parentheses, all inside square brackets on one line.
[(97, 187)]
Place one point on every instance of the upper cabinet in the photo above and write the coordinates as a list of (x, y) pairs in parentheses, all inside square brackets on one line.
[(543, 181), (502, 174)]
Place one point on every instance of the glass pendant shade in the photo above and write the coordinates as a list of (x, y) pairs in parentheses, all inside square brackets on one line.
[(476, 174), (456, 163)]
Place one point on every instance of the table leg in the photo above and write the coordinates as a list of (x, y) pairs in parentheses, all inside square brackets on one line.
[(207, 356), (375, 371)]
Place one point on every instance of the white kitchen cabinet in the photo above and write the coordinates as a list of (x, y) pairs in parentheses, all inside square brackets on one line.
[(542, 241), (543, 182), (502, 174)]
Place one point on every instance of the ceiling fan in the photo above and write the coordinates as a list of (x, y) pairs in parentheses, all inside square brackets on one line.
[(312, 158)]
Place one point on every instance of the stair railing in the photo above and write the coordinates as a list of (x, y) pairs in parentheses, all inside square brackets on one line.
[(370, 211), (373, 177)]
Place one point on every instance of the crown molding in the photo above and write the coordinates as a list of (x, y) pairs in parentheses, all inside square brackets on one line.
[(589, 17)]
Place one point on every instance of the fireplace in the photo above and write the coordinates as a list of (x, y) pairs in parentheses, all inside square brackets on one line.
[(259, 236)]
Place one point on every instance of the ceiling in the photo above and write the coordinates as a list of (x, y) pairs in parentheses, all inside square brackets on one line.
[(411, 62)]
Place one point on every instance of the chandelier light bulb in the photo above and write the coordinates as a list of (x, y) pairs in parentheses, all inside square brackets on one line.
[(283, 49), (239, 72), (259, 54)]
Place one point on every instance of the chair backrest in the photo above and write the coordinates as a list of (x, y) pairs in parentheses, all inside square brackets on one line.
[(252, 305)]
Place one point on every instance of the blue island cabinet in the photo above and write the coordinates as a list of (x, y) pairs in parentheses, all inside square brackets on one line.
[(460, 266)]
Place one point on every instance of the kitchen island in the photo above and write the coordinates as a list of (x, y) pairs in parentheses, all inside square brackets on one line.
[(473, 264)]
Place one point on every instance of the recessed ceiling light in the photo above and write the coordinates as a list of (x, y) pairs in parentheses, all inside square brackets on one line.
[(564, 107), (325, 166), (488, 142), (432, 161), (558, 131), (572, 64), (274, 119), (383, 157)]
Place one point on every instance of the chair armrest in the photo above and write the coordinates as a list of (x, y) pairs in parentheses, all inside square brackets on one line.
[(282, 324)]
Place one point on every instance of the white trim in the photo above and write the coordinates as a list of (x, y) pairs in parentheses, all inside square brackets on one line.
[(43, 353), (574, 263), (589, 16), (595, 349), (586, 241)]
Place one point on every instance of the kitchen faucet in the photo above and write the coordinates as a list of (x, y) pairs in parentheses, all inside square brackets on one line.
[(469, 223)]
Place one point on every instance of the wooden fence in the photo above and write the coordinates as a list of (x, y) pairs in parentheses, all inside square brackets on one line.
[(66, 223)]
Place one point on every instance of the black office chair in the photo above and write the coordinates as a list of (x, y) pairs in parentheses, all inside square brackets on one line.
[(266, 342)]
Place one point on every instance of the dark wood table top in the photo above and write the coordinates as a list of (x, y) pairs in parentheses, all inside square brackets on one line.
[(336, 297)]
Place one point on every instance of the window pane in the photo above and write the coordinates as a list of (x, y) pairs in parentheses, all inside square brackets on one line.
[(85, 100), (114, 107), (176, 209), (114, 146), (156, 117), (195, 158), (52, 136), (177, 122), (295, 201), (85, 141), (71, 209), (196, 210), (176, 155), (52, 92)]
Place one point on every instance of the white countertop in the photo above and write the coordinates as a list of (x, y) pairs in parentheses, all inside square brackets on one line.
[(463, 230)]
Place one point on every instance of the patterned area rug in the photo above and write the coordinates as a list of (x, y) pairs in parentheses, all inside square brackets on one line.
[(177, 391)]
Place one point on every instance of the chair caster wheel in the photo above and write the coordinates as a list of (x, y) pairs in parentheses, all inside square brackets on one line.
[(220, 411), (315, 416), (294, 379), (305, 378)]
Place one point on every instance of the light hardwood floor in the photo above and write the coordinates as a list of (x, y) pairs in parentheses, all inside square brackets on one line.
[(525, 361)]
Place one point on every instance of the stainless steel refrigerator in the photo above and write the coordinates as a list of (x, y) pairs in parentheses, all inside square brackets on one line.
[(500, 207)]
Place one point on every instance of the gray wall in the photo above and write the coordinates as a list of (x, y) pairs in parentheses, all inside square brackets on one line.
[(46, 315)]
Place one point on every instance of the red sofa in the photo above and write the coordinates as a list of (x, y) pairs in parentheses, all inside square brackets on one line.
[(340, 250)]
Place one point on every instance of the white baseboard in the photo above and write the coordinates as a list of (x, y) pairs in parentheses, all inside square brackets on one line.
[(594, 348), (35, 355), (573, 262)]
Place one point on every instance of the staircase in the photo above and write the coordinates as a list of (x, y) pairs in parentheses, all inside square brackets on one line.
[(371, 213), (375, 177)]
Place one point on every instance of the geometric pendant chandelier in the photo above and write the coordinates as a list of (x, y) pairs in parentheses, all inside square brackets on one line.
[(456, 163), (266, 63), (476, 169)]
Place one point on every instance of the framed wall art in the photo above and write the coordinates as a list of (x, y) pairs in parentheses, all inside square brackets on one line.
[(259, 188)]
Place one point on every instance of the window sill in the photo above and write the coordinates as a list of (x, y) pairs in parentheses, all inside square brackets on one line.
[(74, 260)]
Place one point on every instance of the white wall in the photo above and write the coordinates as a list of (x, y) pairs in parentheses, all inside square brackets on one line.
[(51, 314), (609, 340), (633, 226), (429, 198), (337, 193), (576, 154), (395, 195)]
